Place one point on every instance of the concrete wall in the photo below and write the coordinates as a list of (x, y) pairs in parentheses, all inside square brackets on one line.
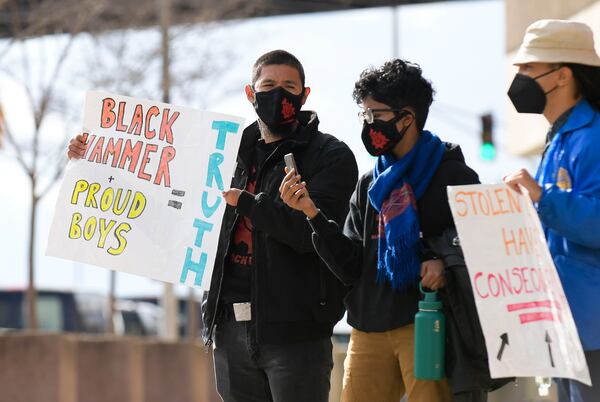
[(109, 369), (164, 377), (35, 368), (521, 13), (526, 132), (58, 368)]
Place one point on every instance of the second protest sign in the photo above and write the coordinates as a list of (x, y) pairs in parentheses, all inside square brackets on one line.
[(525, 316)]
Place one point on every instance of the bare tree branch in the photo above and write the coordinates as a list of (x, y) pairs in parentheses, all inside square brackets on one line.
[(117, 63), (17, 148), (60, 168), (47, 91)]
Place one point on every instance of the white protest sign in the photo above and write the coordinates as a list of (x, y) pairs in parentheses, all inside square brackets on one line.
[(146, 197), (526, 319)]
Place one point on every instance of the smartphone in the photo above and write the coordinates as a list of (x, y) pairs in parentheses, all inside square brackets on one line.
[(290, 163)]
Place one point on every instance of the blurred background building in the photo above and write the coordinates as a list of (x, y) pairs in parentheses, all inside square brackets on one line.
[(200, 54)]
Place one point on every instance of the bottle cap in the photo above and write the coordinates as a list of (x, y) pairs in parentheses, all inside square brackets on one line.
[(431, 301)]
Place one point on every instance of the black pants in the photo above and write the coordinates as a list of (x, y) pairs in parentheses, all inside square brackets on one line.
[(575, 391), (247, 372), (473, 396)]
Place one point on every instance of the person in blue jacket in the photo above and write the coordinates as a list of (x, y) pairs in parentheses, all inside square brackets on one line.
[(559, 76)]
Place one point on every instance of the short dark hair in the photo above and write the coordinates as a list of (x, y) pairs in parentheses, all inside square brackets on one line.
[(277, 57), (398, 84)]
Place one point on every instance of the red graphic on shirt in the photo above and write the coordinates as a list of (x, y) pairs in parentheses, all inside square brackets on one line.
[(287, 109), (242, 237), (378, 140), (399, 200), (243, 234)]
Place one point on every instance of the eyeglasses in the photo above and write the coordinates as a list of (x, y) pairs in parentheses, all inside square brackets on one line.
[(366, 116)]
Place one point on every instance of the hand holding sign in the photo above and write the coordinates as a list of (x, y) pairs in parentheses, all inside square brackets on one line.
[(232, 196), (523, 178), (77, 147)]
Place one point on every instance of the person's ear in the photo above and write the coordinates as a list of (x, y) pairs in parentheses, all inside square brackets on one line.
[(409, 119), (565, 76), (406, 120), (306, 93), (249, 93)]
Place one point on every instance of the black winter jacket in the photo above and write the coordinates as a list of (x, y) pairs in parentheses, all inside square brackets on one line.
[(467, 366), (294, 296)]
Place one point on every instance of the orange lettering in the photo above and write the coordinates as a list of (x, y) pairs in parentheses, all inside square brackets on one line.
[(153, 111), (165, 126), (107, 117), (145, 159)]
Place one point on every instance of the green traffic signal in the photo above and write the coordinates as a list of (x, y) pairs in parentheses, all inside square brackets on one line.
[(488, 151)]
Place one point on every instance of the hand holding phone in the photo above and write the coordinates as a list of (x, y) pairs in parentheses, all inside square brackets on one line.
[(293, 192), (290, 163)]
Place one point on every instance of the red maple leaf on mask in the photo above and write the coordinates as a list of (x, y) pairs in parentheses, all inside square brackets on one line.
[(287, 109), (378, 140)]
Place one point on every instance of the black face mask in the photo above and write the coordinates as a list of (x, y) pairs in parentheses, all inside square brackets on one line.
[(380, 137), (278, 109), (527, 95)]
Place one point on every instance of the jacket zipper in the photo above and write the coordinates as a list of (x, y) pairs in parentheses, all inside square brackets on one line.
[(254, 289), (323, 288), (209, 341)]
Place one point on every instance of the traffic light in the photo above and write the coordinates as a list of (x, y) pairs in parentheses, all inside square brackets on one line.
[(488, 150)]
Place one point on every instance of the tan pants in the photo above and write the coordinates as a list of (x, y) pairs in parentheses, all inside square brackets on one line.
[(379, 368)]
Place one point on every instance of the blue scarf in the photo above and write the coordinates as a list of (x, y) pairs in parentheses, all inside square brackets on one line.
[(396, 187)]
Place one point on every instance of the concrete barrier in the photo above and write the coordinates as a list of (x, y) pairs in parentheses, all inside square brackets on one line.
[(178, 372), (63, 368), (69, 368), (109, 369), (37, 368)]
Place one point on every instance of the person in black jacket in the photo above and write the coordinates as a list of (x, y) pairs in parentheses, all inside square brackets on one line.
[(381, 253), (272, 302)]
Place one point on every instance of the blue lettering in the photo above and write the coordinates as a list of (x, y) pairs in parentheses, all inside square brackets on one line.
[(213, 170), (197, 267), (208, 210), (202, 227), (224, 127), (213, 177)]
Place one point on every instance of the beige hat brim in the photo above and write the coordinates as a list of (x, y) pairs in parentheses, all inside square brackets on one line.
[(553, 55)]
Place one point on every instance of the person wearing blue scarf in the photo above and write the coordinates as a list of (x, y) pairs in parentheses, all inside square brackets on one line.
[(559, 77), (381, 252), (397, 185)]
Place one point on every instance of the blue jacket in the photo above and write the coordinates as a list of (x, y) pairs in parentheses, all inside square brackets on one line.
[(569, 209)]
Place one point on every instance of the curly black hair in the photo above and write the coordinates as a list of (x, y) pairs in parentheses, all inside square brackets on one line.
[(398, 83)]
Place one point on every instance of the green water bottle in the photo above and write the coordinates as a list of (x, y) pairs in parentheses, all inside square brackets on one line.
[(430, 337)]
